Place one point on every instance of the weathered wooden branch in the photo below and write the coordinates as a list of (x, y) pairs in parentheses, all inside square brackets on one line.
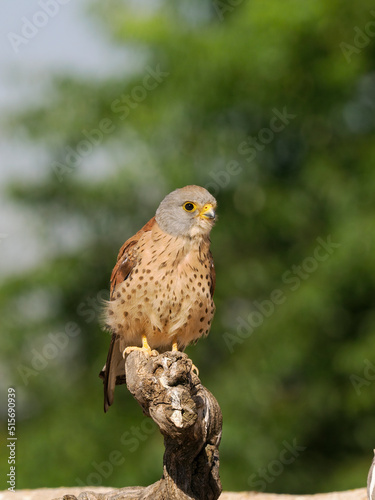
[(48, 493), (190, 420)]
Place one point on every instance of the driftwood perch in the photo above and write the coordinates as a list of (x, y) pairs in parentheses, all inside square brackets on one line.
[(190, 420)]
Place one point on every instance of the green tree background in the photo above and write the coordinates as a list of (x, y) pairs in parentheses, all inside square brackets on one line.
[(303, 375)]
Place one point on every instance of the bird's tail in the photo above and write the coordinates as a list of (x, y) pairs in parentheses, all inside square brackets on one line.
[(113, 372)]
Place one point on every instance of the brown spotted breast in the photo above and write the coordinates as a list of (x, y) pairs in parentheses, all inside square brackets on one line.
[(167, 294)]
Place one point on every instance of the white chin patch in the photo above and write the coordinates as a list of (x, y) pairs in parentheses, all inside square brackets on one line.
[(201, 226)]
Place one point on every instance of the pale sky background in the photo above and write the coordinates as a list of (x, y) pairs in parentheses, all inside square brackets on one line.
[(70, 42)]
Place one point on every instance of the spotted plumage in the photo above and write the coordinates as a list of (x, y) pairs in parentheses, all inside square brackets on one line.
[(163, 283)]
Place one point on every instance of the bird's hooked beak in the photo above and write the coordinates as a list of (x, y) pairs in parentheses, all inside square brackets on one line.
[(207, 212)]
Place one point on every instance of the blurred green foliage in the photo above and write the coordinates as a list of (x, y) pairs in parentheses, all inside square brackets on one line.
[(220, 75)]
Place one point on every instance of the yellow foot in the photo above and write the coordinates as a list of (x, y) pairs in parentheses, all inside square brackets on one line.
[(145, 348), (149, 352)]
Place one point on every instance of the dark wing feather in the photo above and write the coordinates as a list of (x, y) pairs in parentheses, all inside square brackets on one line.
[(115, 374), (127, 257), (113, 371), (126, 260)]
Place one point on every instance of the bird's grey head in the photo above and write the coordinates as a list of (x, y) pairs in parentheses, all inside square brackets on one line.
[(188, 211)]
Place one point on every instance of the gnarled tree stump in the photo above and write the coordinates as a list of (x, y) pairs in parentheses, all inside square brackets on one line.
[(190, 420)]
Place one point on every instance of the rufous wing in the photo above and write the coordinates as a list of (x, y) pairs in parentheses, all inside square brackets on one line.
[(113, 372)]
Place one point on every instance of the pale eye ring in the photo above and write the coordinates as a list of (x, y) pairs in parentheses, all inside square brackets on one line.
[(189, 206)]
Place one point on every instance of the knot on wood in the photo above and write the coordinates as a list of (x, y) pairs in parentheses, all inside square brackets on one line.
[(167, 389)]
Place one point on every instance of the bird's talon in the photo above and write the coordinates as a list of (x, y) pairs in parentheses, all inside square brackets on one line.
[(195, 370), (128, 350), (146, 350)]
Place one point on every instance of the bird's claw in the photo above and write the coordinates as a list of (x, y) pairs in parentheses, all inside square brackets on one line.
[(147, 350), (195, 370)]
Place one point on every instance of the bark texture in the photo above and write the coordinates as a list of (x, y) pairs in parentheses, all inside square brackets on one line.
[(74, 492), (189, 417)]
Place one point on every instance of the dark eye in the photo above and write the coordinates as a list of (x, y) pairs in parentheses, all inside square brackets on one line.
[(189, 206)]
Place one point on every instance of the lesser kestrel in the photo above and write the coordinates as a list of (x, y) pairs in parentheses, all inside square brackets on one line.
[(163, 283)]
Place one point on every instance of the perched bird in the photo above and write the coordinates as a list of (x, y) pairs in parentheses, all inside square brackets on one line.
[(162, 285)]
